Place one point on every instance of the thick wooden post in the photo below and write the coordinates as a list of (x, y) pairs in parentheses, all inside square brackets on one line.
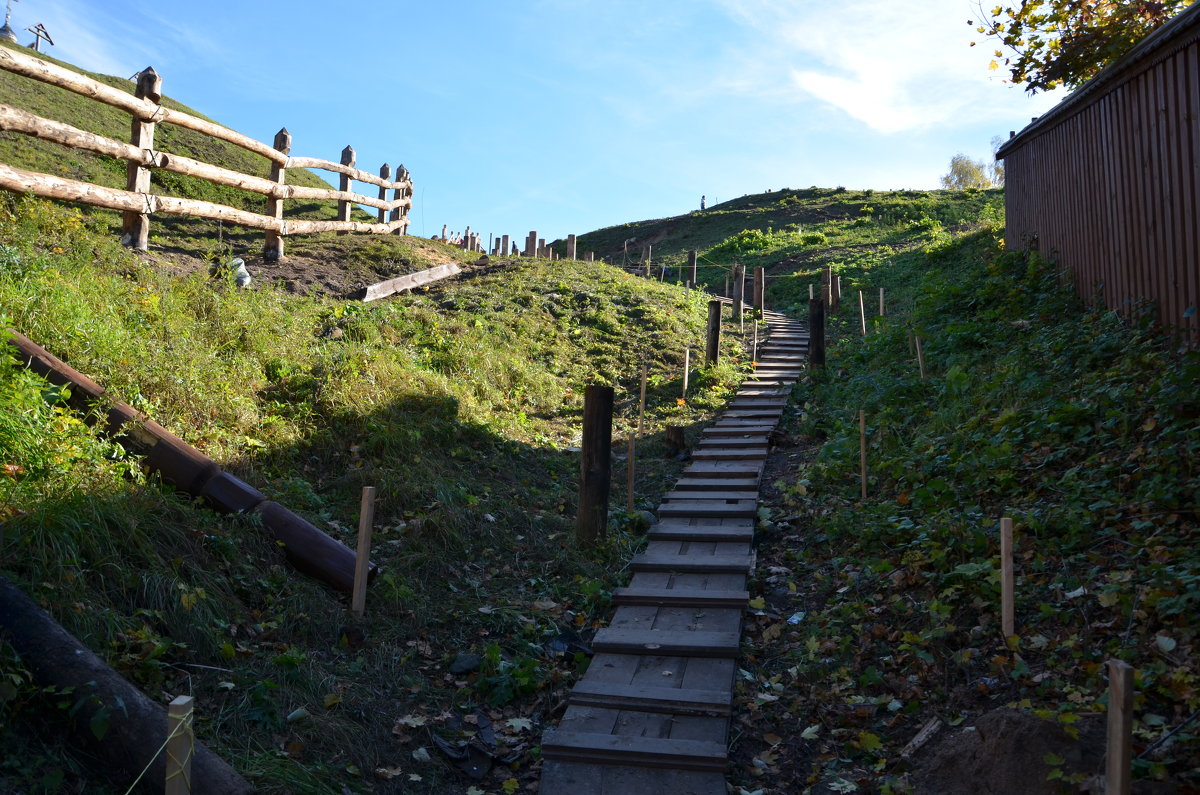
[(348, 159), (504, 250), (739, 294), (691, 263), (135, 227), (362, 556), (571, 243), (181, 740), (595, 468), (1119, 754), (713, 337), (1007, 622), (400, 191), (827, 285), (629, 467), (273, 243), (385, 173), (759, 278), (881, 302), (862, 453), (816, 333)]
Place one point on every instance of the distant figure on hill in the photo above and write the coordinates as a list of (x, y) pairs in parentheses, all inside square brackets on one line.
[(702, 198)]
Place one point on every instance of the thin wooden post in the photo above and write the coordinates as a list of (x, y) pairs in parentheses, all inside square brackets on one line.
[(837, 292), (862, 313), (181, 740), (739, 295), (629, 472), (642, 404), (920, 357), (816, 333), (348, 159), (385, 173), (592, 520), (135, 227), (757, 287), (362, 557), (1119, 754), (810, 292), (726, 291), (862, 452), (692, 267), (687, 366), (827, 285), (712, 345), (273, 243), (400, 191), (571, 246), (754, 347), (881, 302), (1006, 578)]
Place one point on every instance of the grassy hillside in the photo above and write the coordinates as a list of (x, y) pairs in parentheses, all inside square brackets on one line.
[(461, 405)]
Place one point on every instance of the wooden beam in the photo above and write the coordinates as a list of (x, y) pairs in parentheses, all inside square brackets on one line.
[(680, 597), (615, 749), (666, 643), (644, 698)]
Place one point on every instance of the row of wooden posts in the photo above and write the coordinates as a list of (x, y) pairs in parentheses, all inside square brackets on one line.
[(137, 203)]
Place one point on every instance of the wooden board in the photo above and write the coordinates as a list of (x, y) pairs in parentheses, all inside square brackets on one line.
[(672, 700), (680, 597), (409, 281), (578, 778), (728, 453), (730, 494), (735, 469), (686, 563), (669, 530), (714, 508), (666, 642), (715, 484), (628, 750)]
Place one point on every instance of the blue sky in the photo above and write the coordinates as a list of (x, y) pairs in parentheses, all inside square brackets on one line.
[(571, 115)]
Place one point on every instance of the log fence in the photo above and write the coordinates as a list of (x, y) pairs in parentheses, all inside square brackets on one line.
[(137, 203)]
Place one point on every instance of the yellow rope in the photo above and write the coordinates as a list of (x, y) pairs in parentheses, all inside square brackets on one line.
[(183, 726)]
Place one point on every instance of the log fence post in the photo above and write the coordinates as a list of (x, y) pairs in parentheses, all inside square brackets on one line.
[(273, 242), (713, 334), (1006, 578), (595, 465), (135, 227), (629, 466), (1119, 753), (362, 556), (504, 249), (862, 453), (348, 159), (881, 302), (571, 246), (759, 279), (739, 294), (816, 333), (181, 741), (385, 174), (692, 267)]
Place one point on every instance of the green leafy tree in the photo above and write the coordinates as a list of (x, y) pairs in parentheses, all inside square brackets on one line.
[(967, 173), (1050, 43)]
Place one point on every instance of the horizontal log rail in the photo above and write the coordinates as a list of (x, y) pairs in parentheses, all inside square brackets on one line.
[(48, 186), (138, 203)]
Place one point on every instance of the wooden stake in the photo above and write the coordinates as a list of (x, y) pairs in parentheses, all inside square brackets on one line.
[(595, 466), (687, 365), (862, 451), (920, 358), (810, 292), (642, 406), (1006, 578), (713, 338), (180, 742), (881, 302), (362, 557), (862, 313), (629, 472), (754, 349), (816, 333), (135, 226), (1117, 769)]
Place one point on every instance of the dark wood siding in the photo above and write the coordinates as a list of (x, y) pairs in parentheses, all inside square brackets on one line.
[(1109, 181)]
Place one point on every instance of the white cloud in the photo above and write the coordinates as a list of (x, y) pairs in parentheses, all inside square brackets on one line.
[(892, 67)]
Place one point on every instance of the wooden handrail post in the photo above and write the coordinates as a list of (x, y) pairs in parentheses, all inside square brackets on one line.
[(181, 740), (385, 173), (739, 296), (571, 246), (713, 336), (135, 226), (362, 555), (348, 159), (1119, 754), (881, 302), (757, 298), (687, 366), (595, 465), (862, 453), (629, 469), (642, 403), (691, 263), (816, 333), (273, 244)]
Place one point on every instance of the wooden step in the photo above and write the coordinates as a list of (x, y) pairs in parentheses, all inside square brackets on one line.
[(720, 509), (729, 494), (675, 530), (707, 564), (680, 597), (673, 700), (732, 469), (754, 414), (716, 484), (666, 643), (728, 453), (756, 429), (732, 442), (615, 749)]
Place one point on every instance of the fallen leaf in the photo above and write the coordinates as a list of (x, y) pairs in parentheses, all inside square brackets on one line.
[(811, 732), (772, 739), (387, 773), (519, 724), (332, 699), (545, 604), (421, 755)]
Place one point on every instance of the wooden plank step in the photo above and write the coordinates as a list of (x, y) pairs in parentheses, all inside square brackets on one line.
[(680, 597), (646, 698), (741, 422), (615, 749), (755, 429), (674, 531), (729, 494), (709, 508), (756, 401), (716, 484), (682, 642), (754, 414), (733, 442), (728, 453), (650, 561), (732, 469)]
